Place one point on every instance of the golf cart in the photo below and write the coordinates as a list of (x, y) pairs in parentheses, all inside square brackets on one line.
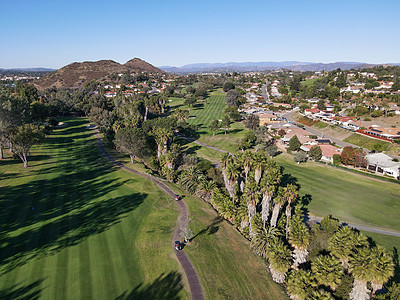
[(177, 198), (178, 245)]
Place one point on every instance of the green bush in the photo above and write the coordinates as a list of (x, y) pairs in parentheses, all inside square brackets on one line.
[(336, 159), (376, 113)]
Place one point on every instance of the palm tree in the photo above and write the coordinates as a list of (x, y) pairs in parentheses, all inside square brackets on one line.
[(320, 295), (252, 196), (242, 215), (279, 200), (279, 260), (300, 283), (190, 178), (299, 238), (259, 160), (205, 189), (362, 269), (225, 161), (262, 239), (161, 136), (269, 182), (344, 242), (232, 174), (246, 162), (383, 267), (290, 194), (327, 270)]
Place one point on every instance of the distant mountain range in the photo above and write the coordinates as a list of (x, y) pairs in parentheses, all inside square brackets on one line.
[(78, 74), (263, 66), (28, 70)]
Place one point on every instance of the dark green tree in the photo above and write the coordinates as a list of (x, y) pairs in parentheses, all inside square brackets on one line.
[(252, 122), (228, 86), (23, 138), (315, 152), (134, 141), (294, 143)]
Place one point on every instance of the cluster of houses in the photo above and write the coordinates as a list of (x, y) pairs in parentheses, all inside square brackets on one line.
[(351, 123), (379, 163), (111, 90), (274, 89), (17, 78)]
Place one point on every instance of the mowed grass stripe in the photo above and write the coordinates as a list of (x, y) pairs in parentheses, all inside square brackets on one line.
[(108, 264), (79, 239), (85, 279)]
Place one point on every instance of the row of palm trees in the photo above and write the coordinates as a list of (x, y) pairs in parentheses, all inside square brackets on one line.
[(259, 203)]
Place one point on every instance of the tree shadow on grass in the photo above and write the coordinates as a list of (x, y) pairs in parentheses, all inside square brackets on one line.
[(66, 202), (193, 149), (18, 292), (67, 230), (165, 287), (210, 229)]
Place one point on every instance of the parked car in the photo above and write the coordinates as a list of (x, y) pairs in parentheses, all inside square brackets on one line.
[(178, 245)]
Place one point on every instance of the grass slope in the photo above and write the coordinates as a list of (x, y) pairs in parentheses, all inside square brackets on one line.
[(95, 231), (373, 144), (348, 196)]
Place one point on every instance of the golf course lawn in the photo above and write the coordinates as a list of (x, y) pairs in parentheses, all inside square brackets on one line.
[(348, 196), (202, 115), (95, 233)]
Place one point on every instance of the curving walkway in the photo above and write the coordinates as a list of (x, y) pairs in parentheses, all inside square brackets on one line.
[(191, 275)]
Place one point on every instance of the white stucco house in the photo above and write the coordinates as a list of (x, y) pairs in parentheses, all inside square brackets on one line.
[(383, 164)]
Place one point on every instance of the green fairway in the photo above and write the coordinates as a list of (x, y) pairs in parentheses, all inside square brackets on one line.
[(350, 197), (95, 233), (213, 108)]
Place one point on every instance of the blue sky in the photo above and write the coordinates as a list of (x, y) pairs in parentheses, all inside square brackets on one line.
[(55, 33)]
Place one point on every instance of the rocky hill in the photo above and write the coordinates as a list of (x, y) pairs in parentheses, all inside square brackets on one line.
[(77, 74), (141, 65)]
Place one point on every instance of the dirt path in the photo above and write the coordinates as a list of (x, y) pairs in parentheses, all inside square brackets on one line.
[(191, 275)]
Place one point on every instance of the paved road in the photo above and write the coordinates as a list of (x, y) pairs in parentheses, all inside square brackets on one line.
[(288, 116), (202, 144), (191, 275), (264, 92), (314, 219), (318, 219)]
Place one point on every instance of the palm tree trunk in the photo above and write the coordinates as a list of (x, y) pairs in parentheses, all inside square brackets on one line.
[(257, 174), (159, 150), (228, 185), (275, 214), (299, 257), (265, 204), (146, 113), (251, 211), (242, 184), (359, 291), (277, 276), (288, 213), (165, 147), (244, 224)]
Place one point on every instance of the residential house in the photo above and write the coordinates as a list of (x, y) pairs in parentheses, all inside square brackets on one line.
[(385, 133), (383, 164), (267, 118)]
